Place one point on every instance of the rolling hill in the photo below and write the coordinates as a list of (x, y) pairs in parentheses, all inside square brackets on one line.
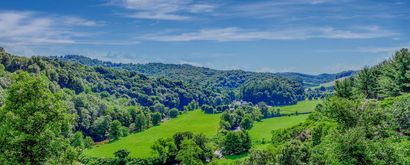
[(225, 79)]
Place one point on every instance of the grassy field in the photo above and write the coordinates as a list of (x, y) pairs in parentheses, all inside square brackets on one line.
[(139, 143), (300, 107), (198, 122), (262, 130)]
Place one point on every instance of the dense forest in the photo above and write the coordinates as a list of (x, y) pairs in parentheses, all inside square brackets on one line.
[(230, 79), (53, 109), (366, 122), (231, 82), (272, 92), (99, 96), (114, 82)]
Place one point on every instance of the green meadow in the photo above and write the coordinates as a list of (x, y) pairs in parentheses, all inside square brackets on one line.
[(262, 130), (139, 144), (301, 107)]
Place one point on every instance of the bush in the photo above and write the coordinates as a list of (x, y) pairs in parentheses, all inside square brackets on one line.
[(173, 113)]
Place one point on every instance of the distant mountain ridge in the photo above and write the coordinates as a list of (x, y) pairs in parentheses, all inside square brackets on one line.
[(225, 79)]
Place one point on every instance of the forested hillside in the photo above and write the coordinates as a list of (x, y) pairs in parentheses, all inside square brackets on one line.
[(99, 95), (51, 105), (272, 93), (230, 79), (366, 122), (119, 83)]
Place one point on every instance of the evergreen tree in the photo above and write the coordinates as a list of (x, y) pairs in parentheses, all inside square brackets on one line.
[(366, 83), (344, 88), (395, 75)]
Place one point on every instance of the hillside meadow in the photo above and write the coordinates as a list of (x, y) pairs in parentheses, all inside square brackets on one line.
[(305, 106), (262, 130), (139, 144)]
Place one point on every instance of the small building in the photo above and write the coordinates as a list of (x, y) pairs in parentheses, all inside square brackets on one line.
[(218, 154)]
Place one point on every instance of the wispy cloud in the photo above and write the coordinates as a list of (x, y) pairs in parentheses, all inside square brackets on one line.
[(280, 8), (163, 9), (238, 34), (329, 10), (75, 21), (24, 28), (32, 28)]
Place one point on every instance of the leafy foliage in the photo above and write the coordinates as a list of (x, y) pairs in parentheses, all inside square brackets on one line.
[(272, 92), (366, 122), (202, 76), (184, 147), (388, 79), (98, 96), (236, 142), (34, 124)]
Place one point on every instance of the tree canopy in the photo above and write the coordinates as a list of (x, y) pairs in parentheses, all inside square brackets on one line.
[(34, 123)]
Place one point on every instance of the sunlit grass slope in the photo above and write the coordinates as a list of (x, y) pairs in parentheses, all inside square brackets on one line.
[(300, 107), (262, 130), (139, 144)]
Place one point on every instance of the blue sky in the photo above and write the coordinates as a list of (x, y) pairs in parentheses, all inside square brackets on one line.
[(308, 36)]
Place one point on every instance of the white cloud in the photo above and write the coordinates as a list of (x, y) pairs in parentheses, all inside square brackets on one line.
[(237, 34), (279, 5), (199, 8), (75, 21), (108, 42), (25, 28), (163, 9), (20, 28), (158, 16), (301, 10)]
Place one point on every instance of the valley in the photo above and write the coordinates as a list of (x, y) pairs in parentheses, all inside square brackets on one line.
[(103, 113), (139, 144)]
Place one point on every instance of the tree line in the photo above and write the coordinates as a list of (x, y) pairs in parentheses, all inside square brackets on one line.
[(365, 122), (387, 79), (272, 92)]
